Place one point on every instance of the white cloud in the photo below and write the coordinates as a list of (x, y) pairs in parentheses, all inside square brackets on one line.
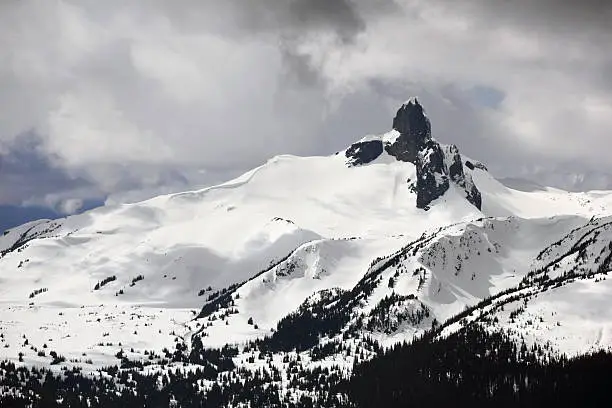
[(70, 206)]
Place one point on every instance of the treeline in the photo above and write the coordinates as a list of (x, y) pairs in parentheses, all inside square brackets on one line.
[(104, 282), (22, 387), (477, 368), (474, 368), (38, 292)]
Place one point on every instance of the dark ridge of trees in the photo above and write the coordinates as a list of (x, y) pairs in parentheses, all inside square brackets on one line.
[(475, 368), (136, 280), (38, 292), (472, 368), (104, 282), (39, 388)]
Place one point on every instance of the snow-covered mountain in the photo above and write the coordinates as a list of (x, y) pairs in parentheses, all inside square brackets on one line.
[(393, 237)]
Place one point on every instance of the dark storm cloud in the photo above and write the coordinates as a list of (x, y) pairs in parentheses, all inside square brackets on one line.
[(32, 186), (344, 17), (545, 15), (296, 20), (586, 21), (26, 172), (302, 17), (347, 18)]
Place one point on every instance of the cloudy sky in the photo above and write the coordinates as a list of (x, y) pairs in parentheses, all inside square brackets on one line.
[(128, 99)]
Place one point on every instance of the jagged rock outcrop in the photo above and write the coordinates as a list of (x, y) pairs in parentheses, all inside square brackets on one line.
[(432, 180), (414, 132), (475, 165), (436, 165), (462, 179), (364, 152)]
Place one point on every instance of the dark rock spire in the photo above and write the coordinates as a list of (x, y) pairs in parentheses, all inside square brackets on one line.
[(414, 131), (437, 166)]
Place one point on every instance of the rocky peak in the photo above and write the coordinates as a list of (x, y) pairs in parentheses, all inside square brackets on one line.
[(437, 166), (414, 131)]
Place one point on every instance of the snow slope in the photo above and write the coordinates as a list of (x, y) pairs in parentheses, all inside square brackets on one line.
[(167, 255), (137, 275), (499, 200)]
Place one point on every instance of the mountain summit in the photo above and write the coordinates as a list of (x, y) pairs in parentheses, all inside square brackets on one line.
[(437, 166), (414, 131)]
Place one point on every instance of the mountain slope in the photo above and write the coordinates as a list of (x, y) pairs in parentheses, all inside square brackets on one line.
[(325, 257)]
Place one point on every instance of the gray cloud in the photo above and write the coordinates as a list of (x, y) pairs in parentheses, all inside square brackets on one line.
[(545, 15), (157, 96), (346, 18), (26, 172), (295, 21), (286, 22), (29, 179), (340, 16)]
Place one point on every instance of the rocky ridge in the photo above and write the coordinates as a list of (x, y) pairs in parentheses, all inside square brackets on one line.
[(437, 165)]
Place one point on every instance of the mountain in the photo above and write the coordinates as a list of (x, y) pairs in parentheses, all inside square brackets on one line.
[(306, 264)]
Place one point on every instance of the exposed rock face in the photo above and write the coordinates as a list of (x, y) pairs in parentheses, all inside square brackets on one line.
[(415, 130), (436, 166), (460, 177), (364, 152), (453, 163), (480, 166), (432, 180), (475, 165)]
